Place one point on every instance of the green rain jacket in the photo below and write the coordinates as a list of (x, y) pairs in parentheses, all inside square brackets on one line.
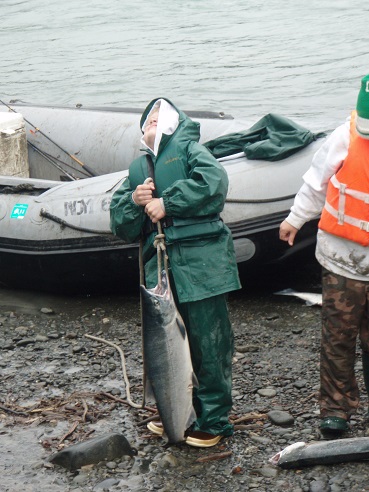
[(193, 186)]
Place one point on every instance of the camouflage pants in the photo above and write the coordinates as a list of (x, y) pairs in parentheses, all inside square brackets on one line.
[(345, 314)]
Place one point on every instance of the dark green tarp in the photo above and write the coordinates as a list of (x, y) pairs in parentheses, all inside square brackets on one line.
[(272, 138)]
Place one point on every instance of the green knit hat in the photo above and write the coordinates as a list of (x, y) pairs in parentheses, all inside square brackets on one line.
[(362, 108)]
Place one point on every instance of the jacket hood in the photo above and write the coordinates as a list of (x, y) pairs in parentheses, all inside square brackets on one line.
[(172, 123)]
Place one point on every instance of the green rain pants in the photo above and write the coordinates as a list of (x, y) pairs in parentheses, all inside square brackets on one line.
[(211, 343)]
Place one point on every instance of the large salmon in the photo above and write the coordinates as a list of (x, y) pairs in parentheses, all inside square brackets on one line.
[(300, 454), (167, 360)]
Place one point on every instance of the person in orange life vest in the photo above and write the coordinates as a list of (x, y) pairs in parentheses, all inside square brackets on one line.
[(337, 187)]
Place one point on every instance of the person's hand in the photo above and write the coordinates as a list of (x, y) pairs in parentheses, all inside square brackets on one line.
[(287, 232), (155, 210), (143, 194)]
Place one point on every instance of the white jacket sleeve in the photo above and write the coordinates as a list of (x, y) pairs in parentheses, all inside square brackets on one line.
[(310, 199)]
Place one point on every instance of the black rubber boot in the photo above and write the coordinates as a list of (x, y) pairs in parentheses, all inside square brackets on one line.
[(365, 359)]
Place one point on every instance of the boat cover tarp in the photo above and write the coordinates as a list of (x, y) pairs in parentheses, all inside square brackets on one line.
[(272, 138)]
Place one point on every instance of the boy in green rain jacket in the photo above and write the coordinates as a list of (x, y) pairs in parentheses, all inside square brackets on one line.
[(190, 190)]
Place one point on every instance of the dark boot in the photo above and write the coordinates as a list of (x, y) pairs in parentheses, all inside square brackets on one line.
[(365, 359)]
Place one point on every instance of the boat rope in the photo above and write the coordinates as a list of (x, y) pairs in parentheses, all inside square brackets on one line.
[(26, 188), (63, 223), (90, 172), (159, 244), (262, 200), (142, 282)]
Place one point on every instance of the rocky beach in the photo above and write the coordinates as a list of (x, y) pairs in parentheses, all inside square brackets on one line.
[(61, 387)]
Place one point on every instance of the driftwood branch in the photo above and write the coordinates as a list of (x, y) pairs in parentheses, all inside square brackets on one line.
[(149, 419), (70, 432), (214, 457), (125, 402), (85, 410), (250, 416), (9, 410)]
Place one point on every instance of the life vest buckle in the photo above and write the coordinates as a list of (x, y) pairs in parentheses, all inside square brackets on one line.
[(340, 218), (364, 226)]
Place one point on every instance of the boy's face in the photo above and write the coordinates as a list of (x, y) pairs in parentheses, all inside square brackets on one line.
[(150, 128)]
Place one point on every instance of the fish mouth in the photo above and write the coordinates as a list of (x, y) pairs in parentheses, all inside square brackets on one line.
[(274, 459), (161, 290)]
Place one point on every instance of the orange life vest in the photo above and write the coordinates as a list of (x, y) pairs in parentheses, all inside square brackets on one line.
[(346, 210)]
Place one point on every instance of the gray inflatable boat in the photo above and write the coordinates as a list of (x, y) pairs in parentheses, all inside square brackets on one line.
[(54, 227)]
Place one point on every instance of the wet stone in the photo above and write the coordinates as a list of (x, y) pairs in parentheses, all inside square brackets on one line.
[(71, 335), (248, 348), (25, 341), (308, 430), (115, 391), (8, 345), (267, 392), (297, 330), (22, 330), (319, 486), (168, 461), (46, 310), (269, 471), (279, 417), (260, 440), (80, 479), (77, 348), (280, 431), (106, 484), (92, 451), (300, 383), (41, 338)]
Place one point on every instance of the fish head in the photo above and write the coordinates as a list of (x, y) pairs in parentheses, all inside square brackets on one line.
[(161, 291), (158, 300), (274, 460)]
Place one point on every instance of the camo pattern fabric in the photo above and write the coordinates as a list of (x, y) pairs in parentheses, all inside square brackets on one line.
[(344, 318)]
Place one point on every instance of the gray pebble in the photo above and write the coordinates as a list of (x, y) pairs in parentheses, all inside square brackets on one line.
[(319, 486), (45, 310), (267, 392), (281, 418), (106, 484), (25, 341)]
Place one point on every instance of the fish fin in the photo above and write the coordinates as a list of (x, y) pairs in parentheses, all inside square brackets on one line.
[(195, 382), (286, 292), (149, 393), (181, 327), (191, 418)]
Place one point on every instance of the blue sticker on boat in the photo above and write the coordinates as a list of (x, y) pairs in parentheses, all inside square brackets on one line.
[(19, 211)]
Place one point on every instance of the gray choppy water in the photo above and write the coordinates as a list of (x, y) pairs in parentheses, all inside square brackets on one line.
[(300, 59)]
